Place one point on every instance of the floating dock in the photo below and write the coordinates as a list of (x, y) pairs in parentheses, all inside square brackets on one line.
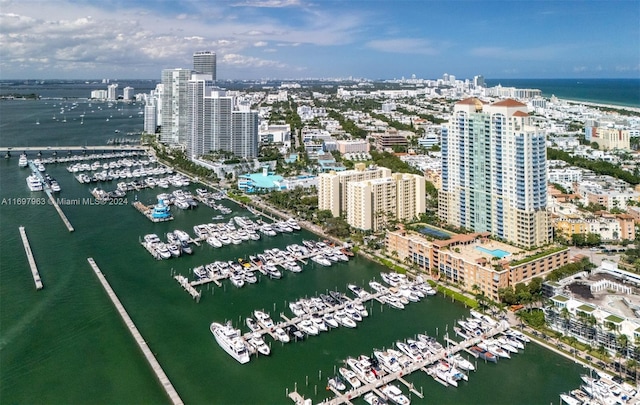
[(148, 354), (32, 261)]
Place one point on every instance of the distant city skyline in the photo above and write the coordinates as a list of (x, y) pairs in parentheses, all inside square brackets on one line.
[(294, 39)]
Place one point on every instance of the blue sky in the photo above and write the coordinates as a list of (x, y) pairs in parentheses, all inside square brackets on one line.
[(376, 39)]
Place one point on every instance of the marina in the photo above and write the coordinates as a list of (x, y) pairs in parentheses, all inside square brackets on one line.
[(32, 262), (49, 191), (133, 271)]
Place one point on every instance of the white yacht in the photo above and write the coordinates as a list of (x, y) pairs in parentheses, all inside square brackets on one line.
[(362, 368), (388, 361), (34, 183), (350, 376), (55, 186), (395, 395), (281, 335), (308, 327), (231, 341), (163, 251), (343, 319), (321, 260), (256, 341), (213, 241), (263, 319), (22, 161)]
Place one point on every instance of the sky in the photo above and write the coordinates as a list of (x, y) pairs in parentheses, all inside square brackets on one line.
[(295, 39)]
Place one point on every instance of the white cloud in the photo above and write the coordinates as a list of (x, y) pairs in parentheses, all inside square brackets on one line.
[(260, 44), (267, 3), (407, 45)]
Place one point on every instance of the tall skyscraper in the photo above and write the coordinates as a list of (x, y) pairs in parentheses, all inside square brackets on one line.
[(175, 106), (494, 172), (244, 137), (205, 62)]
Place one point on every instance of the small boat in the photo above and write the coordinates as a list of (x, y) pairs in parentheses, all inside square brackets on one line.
[(263, 319), (252, 324), (343, 319), (329, 320), (372, 399), (395, 395), (258, 343), (281, 335), (337, 383), (350, 376), (185, 247), (308, 327)]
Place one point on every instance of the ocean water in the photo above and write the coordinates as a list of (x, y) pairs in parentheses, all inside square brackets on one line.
[(622, 92), (66, 344)]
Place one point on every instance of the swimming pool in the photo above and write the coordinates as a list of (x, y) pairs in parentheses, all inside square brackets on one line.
[(499, 253)]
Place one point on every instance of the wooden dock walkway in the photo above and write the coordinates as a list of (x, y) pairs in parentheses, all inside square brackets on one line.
[(148, 354), (32, 261), (347, 396)]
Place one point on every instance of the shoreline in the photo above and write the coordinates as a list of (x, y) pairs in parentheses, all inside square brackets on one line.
[(602, 105)]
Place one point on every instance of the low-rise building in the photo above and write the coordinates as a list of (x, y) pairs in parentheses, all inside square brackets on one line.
[(474, 260)]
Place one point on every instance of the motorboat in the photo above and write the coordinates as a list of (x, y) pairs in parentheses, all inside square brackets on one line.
[(55, 186), (329, 320), (252, 324), (162, 250), (321, 260), (362, 368), (295, 333), (22, 160), (358, 291), (296, 308), (337, 383), (388, 361), (213, 241), (343, 319), (353, 313), (263, 319), (173, 249), (483, 354), (237, 279), (231, 341), (318, 322), (308, 327), (281, 335), (413, 354), (461, 362), (395, 395), (34, 184), (272, 271), (186, 248), (258, 343), (249, 277), (182, 235), (350, 377), (372, 399)]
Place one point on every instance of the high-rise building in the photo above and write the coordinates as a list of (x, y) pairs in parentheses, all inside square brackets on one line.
[(244, 136), (478, 81), (175, 106), (127, 93), (372, 204), (199, 118), (494, 172), (205, 62), (150, 118), (112, 92)]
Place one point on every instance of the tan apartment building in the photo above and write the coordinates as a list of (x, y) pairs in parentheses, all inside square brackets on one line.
[(371, 204), (474, 259), (332, 186)]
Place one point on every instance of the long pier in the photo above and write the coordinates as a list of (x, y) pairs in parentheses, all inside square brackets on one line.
[(49, 193), (148, 354), (71, 148), (32, 261)]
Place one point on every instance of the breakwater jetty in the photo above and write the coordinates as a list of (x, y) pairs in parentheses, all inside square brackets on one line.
[(148, 354), (32, 261)]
